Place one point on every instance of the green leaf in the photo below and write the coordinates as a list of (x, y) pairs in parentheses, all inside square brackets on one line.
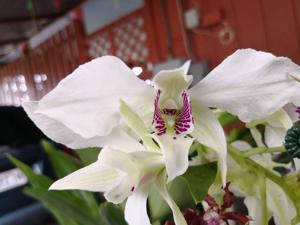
[(88, 155), (157, 206), (59, 204), (227, 118), (36, 180), (199, 179), (64, 164), (112, 214)]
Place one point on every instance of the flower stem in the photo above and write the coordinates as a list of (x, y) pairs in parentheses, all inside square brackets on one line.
[(261, 150), (263, 195), (249, 163)]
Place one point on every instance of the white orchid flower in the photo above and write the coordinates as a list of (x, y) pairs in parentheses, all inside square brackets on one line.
[(128, 173), (82, 111), (278, 124), (277, 201)]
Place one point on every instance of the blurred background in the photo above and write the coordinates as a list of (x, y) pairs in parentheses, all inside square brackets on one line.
[(42, 41)]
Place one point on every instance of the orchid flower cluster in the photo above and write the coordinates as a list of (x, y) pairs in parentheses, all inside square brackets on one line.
[(146, 132)]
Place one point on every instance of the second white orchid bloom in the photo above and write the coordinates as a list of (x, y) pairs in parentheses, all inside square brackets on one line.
[(128, 173)]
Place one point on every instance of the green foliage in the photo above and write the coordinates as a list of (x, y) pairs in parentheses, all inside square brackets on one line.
[(199, 179), (88, 155), (186, 190), (159, 209), (112, 214), (68, 207), (84, 208)]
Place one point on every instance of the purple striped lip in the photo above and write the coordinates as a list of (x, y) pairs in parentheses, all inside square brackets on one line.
[(183, 119)]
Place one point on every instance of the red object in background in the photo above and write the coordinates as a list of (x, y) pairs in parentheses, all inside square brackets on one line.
[(268, 25), (211, 18), (215, 214), (56, 4)]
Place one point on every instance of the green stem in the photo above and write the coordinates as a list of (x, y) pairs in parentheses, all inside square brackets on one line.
[(246, 162), (263, 195), (261, 150)]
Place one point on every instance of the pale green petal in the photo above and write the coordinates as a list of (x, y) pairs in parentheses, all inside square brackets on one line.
[(136, 208), (134, 121), (94, 177), (280, 119), (274, 136), (161, 187), (173, 82), (175, 153), (278, 204), (257, 137), (254, 210), (208, 131), (241, 145)]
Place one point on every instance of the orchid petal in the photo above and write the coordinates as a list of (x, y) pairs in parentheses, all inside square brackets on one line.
[(274, 136), (86, 101), (134, 121), (257, 136), (278, 204), (136, 208), (122, 190), (61, 134), (290, 109), (175, 151), (280, 119), (94, 177), (241, 145), (162, 189), (208, 131), (246, 84), (173, 82), (254, 210)]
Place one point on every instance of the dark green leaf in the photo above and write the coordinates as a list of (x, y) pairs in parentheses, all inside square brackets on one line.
[(226, 119), (159, 209), (88, 155), (112, 214), (59, 204), (199, 179), (36, 180), (64, 164)]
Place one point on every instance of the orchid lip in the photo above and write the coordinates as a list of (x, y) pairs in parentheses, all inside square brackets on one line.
[(178, 120)]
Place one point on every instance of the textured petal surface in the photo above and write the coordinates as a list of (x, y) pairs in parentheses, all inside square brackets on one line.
[(274, 136), (173, 82), (122, 190), (254, 210), (87, 100), (62, 134), (136, 208), (162, 189), (278, 204), (134, 121), (94, 177), (247, 84), (175, 153), (208, 131)]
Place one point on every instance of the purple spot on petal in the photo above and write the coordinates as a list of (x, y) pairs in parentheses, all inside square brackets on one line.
[(298, 111)]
